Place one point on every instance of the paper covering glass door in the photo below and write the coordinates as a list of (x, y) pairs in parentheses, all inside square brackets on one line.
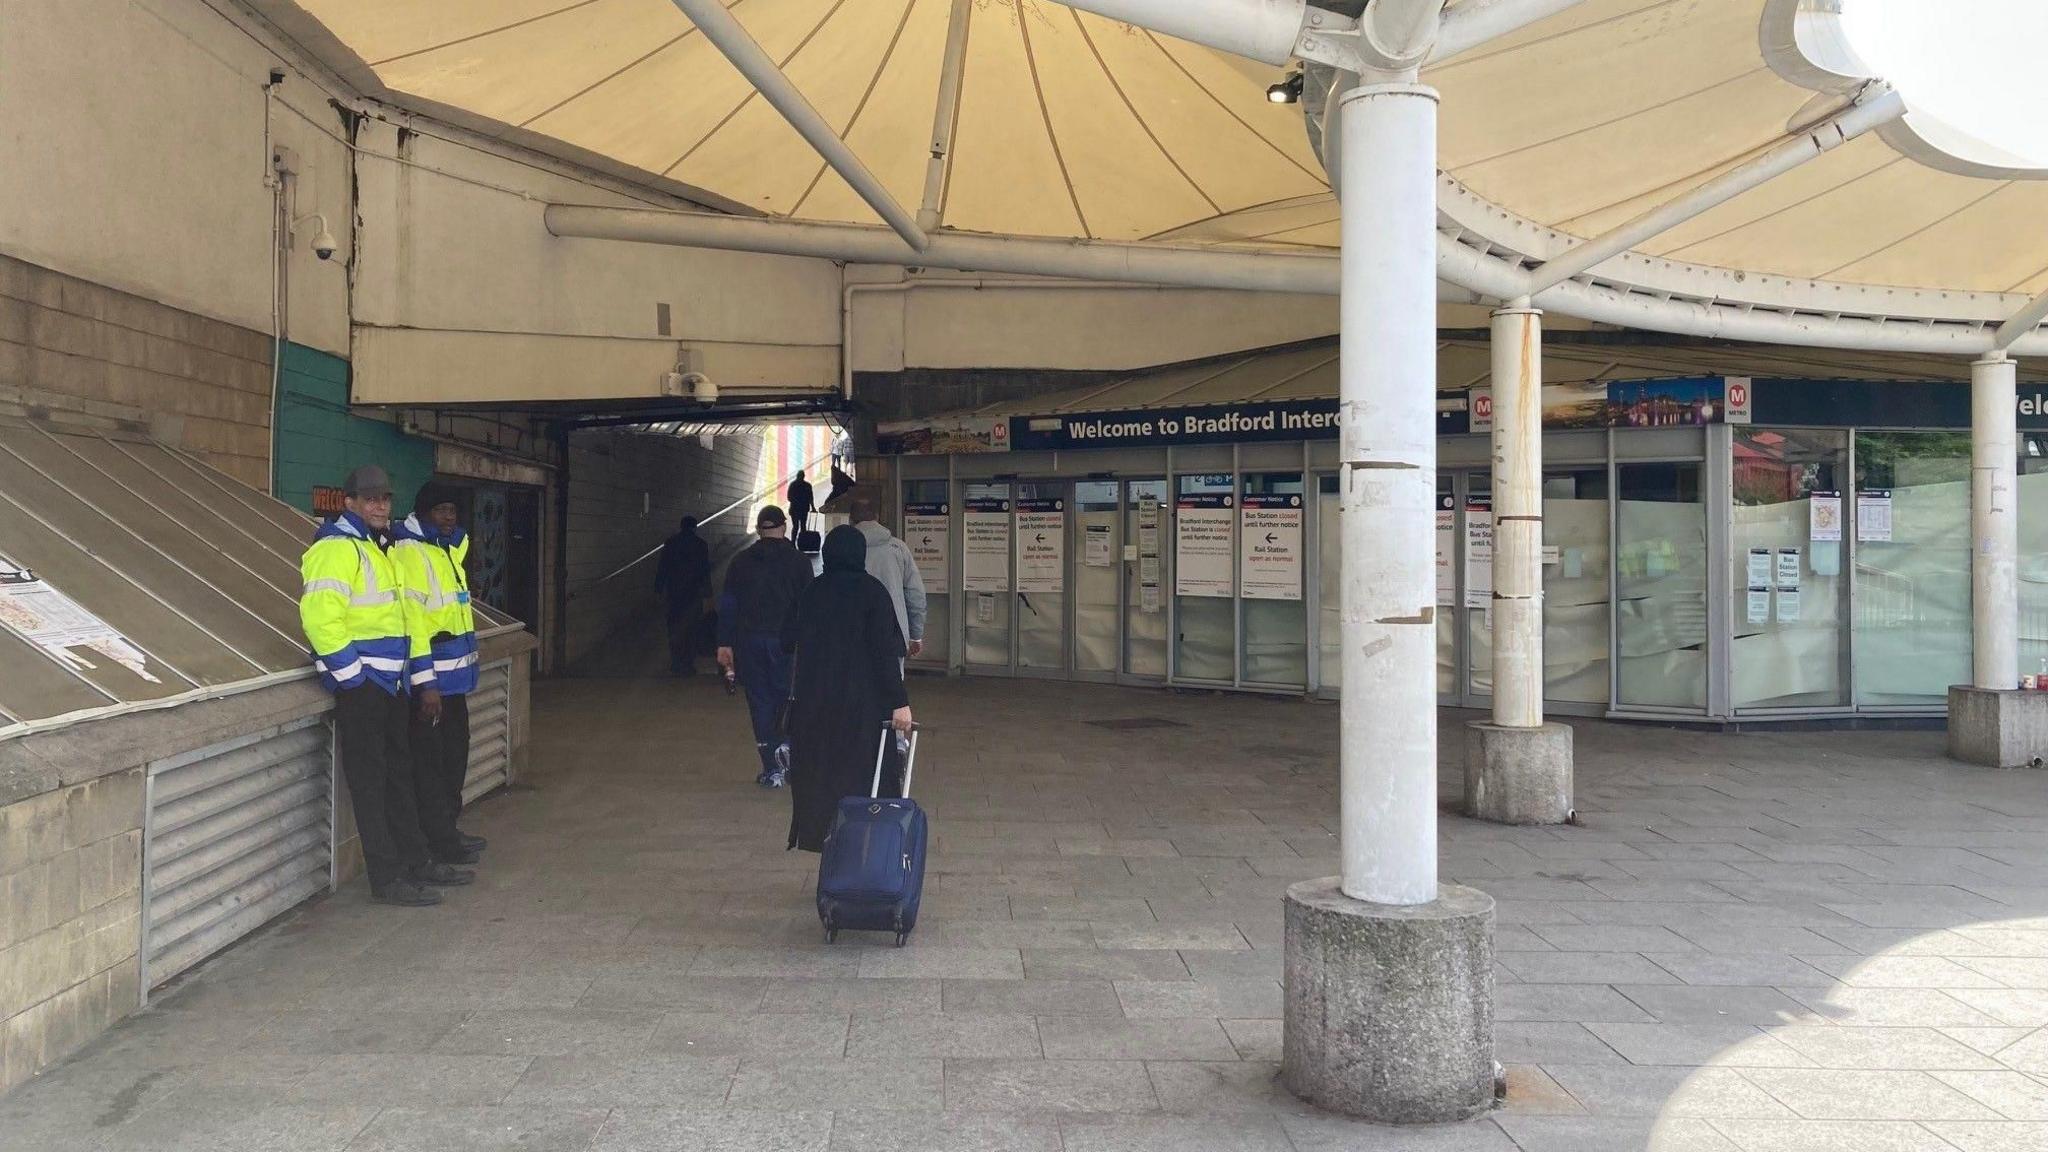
[(1660, 586), (1912, 597), (1205, 577), (1098, 577), (1476, 556), (927, 529), (1041, 568), (1789, 533), (1147, 523), (1270, 519), (985, 575)]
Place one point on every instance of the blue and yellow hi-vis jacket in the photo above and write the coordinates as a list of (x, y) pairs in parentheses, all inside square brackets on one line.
[(437, 590), (355, 618)]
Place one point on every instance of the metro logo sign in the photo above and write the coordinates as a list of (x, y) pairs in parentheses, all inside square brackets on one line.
[(1482, 407), (1736, 400)]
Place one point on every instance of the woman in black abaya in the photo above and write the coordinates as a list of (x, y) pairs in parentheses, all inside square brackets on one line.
[(848, 683)]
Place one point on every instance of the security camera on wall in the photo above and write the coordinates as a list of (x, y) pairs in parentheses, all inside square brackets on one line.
[(324, 243), (695, 385)]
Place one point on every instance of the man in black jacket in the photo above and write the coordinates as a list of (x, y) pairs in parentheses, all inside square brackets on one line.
[(762, 585), (800, 503), (683, 579)]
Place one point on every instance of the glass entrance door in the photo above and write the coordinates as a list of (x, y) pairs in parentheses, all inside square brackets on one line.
[(1041, 534), (1205, 577), (1475, 555), (1147, 576), (1787, 542), (1098, 579), (1274, 646), (985, 577)]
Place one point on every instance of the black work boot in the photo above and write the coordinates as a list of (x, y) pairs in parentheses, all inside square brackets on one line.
[(441, 875), (405, 894), (473, 843), (458, 856)]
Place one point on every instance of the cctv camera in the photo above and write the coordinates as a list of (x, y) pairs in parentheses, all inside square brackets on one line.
[(324, 243)]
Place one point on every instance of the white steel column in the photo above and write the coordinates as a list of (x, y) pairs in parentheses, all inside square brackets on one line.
[(1518, 516), (1388, 427), (1994, 522)]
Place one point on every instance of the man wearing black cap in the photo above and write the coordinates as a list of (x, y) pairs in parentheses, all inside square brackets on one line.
[(367, 646), (762, 585)]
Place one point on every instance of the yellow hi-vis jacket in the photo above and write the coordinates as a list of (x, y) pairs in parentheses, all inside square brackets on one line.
[(430, 566), (356, 619)]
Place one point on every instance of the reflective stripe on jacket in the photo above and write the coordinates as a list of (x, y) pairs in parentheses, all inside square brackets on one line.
[(352, 611), (430, 567)]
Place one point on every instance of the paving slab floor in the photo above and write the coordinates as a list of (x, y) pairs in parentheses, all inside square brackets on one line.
[(1758, 942)]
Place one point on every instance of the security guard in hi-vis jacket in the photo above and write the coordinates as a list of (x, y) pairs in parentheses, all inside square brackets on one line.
[(369, 646), (431, 549)]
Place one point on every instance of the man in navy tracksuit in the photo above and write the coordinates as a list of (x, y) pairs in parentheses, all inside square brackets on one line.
[(762, 585)]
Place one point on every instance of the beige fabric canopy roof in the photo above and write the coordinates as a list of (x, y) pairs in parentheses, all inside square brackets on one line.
[(1071, 125)]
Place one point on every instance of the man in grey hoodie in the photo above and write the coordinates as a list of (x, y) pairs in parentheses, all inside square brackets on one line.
[(889, 561)]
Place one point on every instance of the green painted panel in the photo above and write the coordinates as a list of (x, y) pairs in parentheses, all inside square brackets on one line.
[(319, 439)]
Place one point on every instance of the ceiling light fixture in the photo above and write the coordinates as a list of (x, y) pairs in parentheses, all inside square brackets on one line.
[(1287, 91)]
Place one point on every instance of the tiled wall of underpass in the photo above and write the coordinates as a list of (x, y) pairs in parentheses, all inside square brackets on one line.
[(627, 492)]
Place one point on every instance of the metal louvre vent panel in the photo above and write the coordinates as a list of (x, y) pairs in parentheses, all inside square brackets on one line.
[(490, 732), (234, 835)]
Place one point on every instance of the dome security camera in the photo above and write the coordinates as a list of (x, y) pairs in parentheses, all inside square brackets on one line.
[(324, 243)]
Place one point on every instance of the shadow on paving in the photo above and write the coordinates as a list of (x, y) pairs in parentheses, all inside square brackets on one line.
[(1754, 942)]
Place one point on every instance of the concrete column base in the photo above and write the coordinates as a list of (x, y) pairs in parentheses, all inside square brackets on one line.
[(1389, 1010), (1998, 728), (1518, 775)]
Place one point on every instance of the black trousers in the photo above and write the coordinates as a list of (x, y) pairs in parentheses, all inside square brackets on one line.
[(440, 763), (370, 732), (683, 620)]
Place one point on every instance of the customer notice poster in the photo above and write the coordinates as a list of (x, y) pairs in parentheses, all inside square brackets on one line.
[(928, 529), (1479, 550), (985, 555), (1205, 545), (1041, 545), (1269, 547)]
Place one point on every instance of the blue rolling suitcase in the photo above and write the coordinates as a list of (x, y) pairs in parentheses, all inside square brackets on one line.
[(871, 872)]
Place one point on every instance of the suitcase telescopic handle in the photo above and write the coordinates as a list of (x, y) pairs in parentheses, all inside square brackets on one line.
[(882, 753)]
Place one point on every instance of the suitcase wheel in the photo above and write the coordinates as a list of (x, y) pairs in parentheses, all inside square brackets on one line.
[(831, 935), (901, 937)]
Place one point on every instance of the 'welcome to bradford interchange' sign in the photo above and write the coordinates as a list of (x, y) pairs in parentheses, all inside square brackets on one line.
[(1668, 402), (1208, 424)]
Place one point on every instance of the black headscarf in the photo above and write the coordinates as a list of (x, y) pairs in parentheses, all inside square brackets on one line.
[(846, 552)]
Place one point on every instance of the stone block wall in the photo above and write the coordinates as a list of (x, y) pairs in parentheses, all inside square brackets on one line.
[(199, 384), (70, 900), (627, 492)]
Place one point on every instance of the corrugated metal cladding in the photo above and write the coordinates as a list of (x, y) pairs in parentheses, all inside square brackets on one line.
[(133, 575), (490, 732), (130, 572), (233, 835)]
